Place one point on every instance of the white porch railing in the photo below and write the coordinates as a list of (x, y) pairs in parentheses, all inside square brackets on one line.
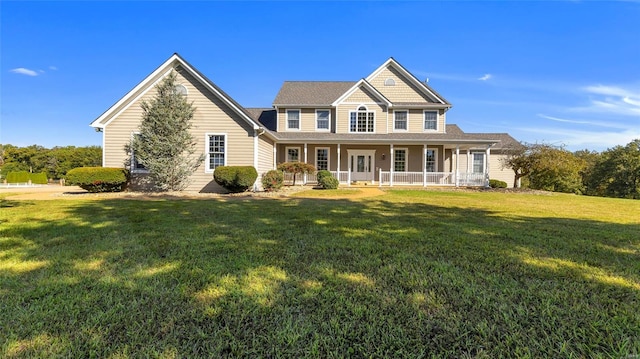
[(402, 178), (430, 179)]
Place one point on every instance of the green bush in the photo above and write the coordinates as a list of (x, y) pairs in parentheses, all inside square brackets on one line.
[(18, 177), (38, 178), (98, 179), (321, 174), (272, 180), (328, 182), (494, 183), (235, 178)]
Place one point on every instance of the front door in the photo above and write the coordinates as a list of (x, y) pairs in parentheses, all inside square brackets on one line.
[(362, 165)]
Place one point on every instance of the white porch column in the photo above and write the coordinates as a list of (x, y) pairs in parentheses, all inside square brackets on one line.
[(275, 155), (304, 178), (486, 171), (458, 164), (424, 165), (393, 161), (338, 169)]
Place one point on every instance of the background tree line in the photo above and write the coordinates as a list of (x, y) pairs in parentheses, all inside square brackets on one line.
[(611, 173), (55, 162)]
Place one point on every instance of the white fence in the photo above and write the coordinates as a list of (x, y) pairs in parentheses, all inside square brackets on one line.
[(386, 178)]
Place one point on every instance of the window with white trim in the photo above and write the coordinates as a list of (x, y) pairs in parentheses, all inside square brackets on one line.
[(216, 151), (322, 158), (400, 119), (293, 119), (430, 161), (323, 119), (293, 154), (478, 162), (400, 160), (431, 120), (361, 120)]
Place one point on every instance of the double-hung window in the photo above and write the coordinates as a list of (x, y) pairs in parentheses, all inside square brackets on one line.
[(322, 158), (216, 151), (400, 160), (293, 154), (478, 162), (323, 118), (400, 119), (430, 161), (430, 120), (361, 120), (293, 119)]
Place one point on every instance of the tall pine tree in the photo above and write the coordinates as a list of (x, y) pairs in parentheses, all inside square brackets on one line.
[(164, 146)]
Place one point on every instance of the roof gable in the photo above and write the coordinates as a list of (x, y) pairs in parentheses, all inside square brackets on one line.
[(310, 93), (362, 84), (156, 76), (409, 88)]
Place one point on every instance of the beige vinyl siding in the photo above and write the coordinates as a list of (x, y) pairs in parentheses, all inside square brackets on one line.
[(363, 96), (265, 155), (498, 172), (211, 115), (402, 91)]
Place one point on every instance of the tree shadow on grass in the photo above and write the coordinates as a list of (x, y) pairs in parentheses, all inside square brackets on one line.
[(316, 278)]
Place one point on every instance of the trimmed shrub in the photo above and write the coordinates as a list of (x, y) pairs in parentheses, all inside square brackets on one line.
[(272, 180), (235, 179), (321, 174), (18, 177), (98, 179), (328, 182), (38, 178), (494, 183)]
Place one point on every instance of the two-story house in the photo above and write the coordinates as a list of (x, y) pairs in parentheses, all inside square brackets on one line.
[(387, 129)]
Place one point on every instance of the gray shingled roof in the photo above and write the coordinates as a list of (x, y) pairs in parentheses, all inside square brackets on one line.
[(305, 93)]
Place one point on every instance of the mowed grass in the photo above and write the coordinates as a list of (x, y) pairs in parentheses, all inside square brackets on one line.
[(406, 274)]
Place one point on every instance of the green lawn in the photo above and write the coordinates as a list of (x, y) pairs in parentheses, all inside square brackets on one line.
[(406, 274)]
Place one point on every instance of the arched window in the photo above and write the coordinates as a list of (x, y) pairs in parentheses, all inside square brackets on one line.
[(361, 120), (389, 82)]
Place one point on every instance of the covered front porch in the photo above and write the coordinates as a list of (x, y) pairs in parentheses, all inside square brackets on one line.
[(407, 164)]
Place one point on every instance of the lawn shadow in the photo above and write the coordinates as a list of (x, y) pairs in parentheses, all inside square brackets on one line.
[(316, 277)]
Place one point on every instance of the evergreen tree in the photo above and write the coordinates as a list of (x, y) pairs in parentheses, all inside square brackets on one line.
[(165, 147)]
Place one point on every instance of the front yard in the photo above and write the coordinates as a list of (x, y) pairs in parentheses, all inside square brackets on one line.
[(403, 274)]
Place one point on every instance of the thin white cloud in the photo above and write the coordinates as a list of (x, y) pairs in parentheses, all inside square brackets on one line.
[(576, 139), (584, 122), (610, 91), (485, 77), (53, 68), (23, 71), (606, 99)]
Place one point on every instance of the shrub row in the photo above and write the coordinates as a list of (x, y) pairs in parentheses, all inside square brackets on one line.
[(98, 179), (25, 177), (494, 183), (235, 178), (272, 180), (326, 180)]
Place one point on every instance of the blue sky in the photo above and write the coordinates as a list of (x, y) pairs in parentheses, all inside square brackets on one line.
[(559, 72)]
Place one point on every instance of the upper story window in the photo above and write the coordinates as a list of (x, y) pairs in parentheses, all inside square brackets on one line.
[(323, 119), (293, 119), (400, 120), (389, 82), (216, 151), (431, 120), (361, 120)]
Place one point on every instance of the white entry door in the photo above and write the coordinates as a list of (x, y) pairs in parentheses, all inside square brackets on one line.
[(362, 164)]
